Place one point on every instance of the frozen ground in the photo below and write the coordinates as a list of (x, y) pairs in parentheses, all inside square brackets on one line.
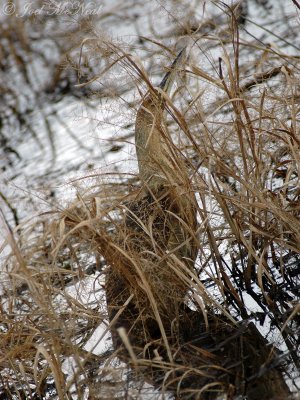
[(83, 137)]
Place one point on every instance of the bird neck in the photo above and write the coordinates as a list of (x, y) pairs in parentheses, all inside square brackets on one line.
[(155, 164)]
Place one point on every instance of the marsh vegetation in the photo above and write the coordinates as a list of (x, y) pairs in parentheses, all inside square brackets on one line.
[(200, 273)]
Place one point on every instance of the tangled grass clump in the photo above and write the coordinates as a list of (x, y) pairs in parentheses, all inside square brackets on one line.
[(234, 125)]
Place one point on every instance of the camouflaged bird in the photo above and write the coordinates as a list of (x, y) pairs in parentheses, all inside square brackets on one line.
[(160, 226)]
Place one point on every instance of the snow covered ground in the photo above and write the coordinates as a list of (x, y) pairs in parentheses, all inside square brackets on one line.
[(88, 137)]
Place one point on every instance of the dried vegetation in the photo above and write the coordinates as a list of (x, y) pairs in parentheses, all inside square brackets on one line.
[(234, 123)]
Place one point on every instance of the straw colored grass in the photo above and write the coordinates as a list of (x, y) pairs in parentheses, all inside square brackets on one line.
[(240, 146)]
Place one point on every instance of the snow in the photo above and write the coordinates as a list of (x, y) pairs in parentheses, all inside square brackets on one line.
[(85, 150)]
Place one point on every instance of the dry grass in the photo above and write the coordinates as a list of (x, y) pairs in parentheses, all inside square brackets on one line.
[(235, 123)]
